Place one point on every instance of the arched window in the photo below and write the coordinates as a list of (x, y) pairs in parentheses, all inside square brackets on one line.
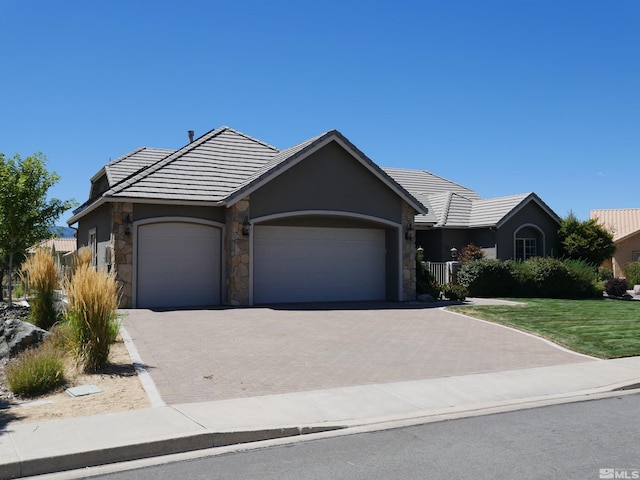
[(528, 242)]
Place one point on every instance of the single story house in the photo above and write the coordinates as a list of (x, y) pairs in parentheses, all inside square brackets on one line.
[(62, 250), (624, 224), (512, 227), (231, 220)]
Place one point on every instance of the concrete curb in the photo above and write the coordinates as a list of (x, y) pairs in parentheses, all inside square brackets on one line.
[(203, 440), (148, 449)]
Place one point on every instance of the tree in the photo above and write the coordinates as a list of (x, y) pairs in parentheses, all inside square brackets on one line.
[(26, 215), (588, 240)]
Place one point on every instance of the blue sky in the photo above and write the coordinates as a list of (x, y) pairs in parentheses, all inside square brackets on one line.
[(502, 96)]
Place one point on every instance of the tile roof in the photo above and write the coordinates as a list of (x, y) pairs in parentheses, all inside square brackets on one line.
[(121, 168), (209, 169), (220, 167), (421, 181), (455, 206), (492, 211), (60, 245), (622, 222)]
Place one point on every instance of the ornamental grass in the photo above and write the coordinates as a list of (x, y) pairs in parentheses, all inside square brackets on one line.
[(40, 273), (36, 371), (81, 257), (92, 315)]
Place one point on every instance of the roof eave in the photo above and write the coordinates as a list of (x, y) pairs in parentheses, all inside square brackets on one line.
[(109, 199), (531, 197)]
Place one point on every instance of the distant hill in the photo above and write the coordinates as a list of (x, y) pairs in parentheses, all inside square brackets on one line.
[(63, 232)]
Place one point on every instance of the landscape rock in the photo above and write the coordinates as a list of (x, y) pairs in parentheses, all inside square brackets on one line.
[(15, 334)]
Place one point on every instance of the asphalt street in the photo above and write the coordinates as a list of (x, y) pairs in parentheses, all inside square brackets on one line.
[(585, 440)]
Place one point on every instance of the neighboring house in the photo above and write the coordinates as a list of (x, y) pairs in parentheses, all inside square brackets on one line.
[(229, 219), (512, 227), (624, 224), (62, 250)]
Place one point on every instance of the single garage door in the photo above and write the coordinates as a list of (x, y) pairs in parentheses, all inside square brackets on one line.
[(178, 265), (309, 264)]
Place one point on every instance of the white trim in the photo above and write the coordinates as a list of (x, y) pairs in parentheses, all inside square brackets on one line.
[(333, 213), (93, 245), (175, 219), (527, 225)]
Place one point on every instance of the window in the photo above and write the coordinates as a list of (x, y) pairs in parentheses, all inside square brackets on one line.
[(636, 256), (93, 244), (525, 248)]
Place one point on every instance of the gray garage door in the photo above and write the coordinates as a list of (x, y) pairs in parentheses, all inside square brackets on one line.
[(309, 264), (178, 264)]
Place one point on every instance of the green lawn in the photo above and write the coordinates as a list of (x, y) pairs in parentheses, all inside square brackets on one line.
[(603, 328)]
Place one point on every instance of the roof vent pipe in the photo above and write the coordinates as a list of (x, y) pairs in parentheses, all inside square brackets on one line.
[(191, 133)]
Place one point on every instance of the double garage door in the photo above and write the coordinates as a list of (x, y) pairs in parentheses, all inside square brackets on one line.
[(179, 264), (313, 264)]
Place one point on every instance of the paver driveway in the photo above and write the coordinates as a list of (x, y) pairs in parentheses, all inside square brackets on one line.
[(203, 355)]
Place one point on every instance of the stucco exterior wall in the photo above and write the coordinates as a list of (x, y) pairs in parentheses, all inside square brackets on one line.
[(330, 179), (438, 242), (100, 220), (142, 211), (624, 254), (530, 214)]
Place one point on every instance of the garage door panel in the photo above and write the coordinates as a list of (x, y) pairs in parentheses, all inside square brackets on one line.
[(178, 264), (303, 264)]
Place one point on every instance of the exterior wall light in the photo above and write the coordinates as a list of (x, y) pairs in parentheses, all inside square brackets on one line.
[(127, 224), (246, 226), (408, 233)]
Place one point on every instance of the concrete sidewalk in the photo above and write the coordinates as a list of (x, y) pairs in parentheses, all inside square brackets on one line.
[(38, 448)]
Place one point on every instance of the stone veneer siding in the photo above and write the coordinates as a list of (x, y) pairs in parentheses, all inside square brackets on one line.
[(122, 250), (408, 254), (237, 254)]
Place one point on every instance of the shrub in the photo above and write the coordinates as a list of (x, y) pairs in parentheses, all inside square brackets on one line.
[(604, 274), (35, 371), (41, 275), (522, 275), (550, 277), (486, 278), (584, 279), (470, 252), (632, 272), (454, 292), (616, 287), (92, 315)]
